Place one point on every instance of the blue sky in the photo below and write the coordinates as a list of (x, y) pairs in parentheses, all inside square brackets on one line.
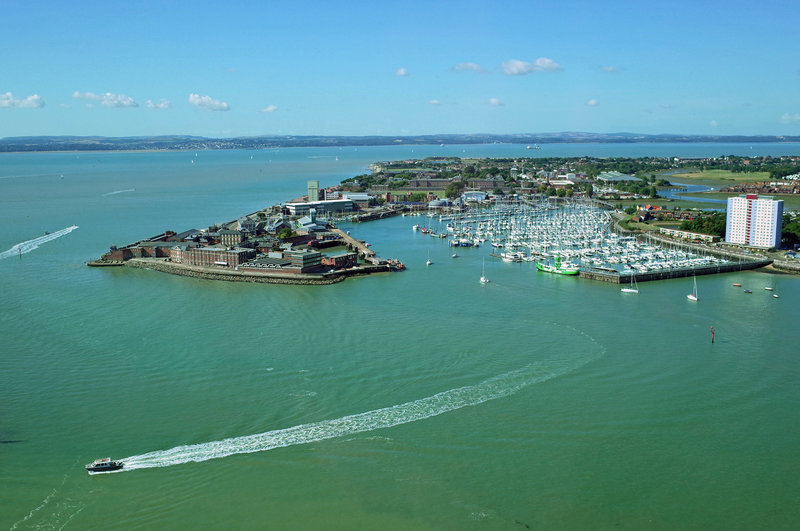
[(236, 68)]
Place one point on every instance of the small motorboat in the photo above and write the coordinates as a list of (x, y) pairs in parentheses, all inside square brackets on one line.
[(104, 465), (748, 291), (768, 288), (737, 285)]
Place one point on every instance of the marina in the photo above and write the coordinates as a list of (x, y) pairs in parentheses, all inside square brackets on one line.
[(577, 238)]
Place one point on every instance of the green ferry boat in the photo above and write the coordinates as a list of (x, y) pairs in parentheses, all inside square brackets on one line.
[(558, 268)]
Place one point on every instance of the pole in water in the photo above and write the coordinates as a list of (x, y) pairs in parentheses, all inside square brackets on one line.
[(712, 333)]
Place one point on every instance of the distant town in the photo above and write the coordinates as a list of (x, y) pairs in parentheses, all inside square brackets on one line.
[(298, 241), (183, 142)]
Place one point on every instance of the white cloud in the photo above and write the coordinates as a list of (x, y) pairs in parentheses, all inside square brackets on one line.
[(435, 102), (402, 72), (543, 64), (789, 118), (162, 104), (108, 99), (592, 103), (609, 69), (208, 102), (31, 102), (515, 67), (269, 108), (495, 102), (713, 123), (466, 67)]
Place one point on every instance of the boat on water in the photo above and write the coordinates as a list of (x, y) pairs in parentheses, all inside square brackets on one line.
[(104, 465), (634, 287), (484, 280), (748, 291), (737, 285), (559, 268), (768, 288), (693, 295)]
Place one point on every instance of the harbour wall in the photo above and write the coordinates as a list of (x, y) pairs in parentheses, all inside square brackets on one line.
[(235, 276), (664, 274)]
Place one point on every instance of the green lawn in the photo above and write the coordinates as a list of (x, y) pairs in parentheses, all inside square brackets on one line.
[(790, 202), (718, 178)]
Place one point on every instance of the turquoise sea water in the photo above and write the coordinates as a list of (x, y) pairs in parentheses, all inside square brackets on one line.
[(417, 400)]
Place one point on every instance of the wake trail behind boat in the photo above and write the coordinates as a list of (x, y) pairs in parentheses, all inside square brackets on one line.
[(32, 245), (119, 192), (424, 408)]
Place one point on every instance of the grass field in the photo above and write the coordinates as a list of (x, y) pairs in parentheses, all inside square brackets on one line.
[(717, 178), (790, 202)]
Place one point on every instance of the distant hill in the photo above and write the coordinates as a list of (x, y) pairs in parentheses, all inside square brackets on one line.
[(179, 142)]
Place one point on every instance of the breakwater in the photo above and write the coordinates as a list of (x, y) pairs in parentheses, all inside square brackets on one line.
[(664, 274)]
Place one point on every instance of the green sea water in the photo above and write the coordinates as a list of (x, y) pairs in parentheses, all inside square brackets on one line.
[(415, 400)]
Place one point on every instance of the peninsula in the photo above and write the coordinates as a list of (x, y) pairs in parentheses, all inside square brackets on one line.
[(297, 242)]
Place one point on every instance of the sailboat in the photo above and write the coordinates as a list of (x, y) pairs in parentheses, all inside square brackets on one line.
[(693, 295), (634, 288), (484, 280), (429, 261)]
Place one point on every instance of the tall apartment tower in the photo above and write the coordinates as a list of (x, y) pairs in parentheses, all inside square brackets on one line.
[(313, 190), (754, 220)]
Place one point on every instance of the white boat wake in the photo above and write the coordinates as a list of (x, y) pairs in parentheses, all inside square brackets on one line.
[(491, 389), (31, 245), (119, 192)]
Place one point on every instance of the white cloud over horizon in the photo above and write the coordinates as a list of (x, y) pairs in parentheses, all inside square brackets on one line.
[(435, 102), (401, 72), (33, 101), (108, 99), (269, 108), (609, 69), (162, 104), (515, 67), (466, 67), (495, 102), (592, 103), (790, 118), (207, 102)]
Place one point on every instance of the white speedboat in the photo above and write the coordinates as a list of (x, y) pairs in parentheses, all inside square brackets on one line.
[(104, 465)]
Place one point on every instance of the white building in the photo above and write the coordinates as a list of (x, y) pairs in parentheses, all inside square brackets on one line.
[(754, 220)]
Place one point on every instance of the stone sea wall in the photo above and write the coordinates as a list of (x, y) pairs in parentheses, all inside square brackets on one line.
[(234, 276)]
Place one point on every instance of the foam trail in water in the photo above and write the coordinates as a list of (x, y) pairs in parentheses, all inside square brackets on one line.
[(493, 388), (30, 245), (119, 192)]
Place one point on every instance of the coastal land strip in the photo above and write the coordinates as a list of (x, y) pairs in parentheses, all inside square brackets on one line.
[(425, 182)]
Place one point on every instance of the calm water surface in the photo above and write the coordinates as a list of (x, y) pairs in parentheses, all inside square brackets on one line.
[(417, 400)]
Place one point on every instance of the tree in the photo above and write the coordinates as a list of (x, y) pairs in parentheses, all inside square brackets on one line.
[(790, 229), (713, 224), (453, 189)]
